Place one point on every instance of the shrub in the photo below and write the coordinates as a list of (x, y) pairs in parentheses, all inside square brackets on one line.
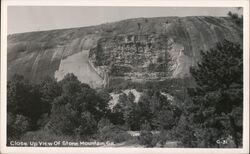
[(88, 124), (46, 136), (146, 136), (164, 136), (43, 120), (236, 18), (103, 122), (16, 125), (185, 133), (113, 133)]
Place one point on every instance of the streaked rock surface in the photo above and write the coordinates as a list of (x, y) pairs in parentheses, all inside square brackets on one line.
[(131, 45)]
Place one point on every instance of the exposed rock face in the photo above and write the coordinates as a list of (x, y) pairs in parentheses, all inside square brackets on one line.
[(135, 49), (78, 64)]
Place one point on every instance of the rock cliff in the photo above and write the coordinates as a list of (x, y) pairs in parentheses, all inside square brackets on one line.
[(135, 49)]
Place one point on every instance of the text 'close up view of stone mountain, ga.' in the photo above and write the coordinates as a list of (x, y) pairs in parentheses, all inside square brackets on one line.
[(162, 77)]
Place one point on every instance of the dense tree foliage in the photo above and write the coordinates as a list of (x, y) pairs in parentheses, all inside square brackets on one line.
[(238, 19), (16, 125), (66, 107), (218, 98), (25, 99), (80, 106), (152, 108)]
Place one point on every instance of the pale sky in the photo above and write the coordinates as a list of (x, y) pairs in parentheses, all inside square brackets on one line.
[(37, 18)]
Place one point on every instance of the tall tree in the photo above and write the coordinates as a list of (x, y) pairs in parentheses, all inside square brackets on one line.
[(24, 98), (78, 109), (218, 97), (49, 90)]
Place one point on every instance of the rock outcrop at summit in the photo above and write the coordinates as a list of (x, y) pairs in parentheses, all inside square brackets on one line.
[(135, 49)]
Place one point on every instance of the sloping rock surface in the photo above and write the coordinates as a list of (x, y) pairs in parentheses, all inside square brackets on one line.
[(134, 49)]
